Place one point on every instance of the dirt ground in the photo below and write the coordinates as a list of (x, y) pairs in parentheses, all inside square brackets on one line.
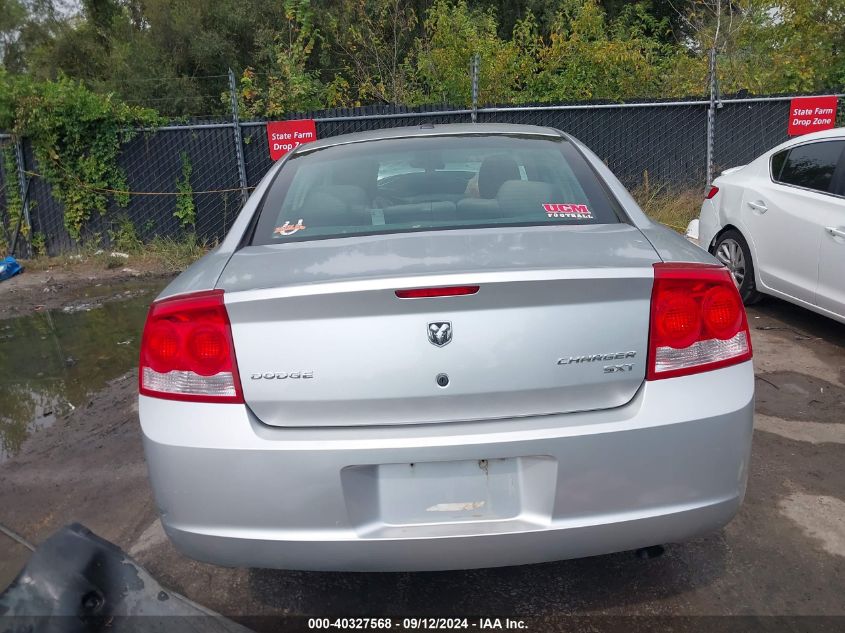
[(56, 287), (784, 554)]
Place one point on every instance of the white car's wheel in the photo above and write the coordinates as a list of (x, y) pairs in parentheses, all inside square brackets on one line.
[(732, 250)]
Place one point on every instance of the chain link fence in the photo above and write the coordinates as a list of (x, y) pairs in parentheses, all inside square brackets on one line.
[(11, 211), (658, 143), (5, 181)]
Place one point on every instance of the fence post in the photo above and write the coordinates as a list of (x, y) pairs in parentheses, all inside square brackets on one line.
[(24, 189), (474, 73), (711, 116), (239, 148)]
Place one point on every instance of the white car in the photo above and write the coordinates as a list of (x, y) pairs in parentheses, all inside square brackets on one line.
[(778, 223)]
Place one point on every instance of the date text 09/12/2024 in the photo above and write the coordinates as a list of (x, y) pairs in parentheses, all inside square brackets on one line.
[(413, 624)]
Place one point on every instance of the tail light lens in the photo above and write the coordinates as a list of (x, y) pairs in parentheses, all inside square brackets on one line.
[(187, 351), (698, 322), (713, 191)]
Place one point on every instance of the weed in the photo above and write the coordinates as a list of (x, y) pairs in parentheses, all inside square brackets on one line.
[(163, 255), (123, 235), (672, 206), (175, 255), (186, 210), (39, 244)]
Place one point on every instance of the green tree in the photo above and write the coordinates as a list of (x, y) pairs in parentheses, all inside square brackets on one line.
[(588, 57), (171, 55), (12, 16), (806, 47), (511, 12), (453, 34), (370, 40), (25, 26), (289, 85), (762, 46)]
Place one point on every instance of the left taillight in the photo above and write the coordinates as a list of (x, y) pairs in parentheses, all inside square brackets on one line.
[(187, 351)]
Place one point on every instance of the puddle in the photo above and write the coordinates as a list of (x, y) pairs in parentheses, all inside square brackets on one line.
[(53, 361)]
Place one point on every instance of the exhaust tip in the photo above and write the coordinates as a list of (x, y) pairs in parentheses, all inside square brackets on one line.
[(647, 553)]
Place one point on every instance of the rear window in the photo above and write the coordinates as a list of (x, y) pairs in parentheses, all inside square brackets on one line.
[(431, 183)]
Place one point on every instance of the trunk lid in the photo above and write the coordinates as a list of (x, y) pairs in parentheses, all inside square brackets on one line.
[(559, 324)]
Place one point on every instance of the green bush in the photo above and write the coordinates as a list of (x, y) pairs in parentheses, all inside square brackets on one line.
[(186, 210), (76, 137), (123, 235), (12, 193)]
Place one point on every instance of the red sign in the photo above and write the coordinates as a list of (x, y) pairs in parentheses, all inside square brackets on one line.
[(811, 114), (283, 136)]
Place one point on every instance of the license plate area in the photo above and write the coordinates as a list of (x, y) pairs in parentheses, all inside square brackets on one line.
[(450, 492)]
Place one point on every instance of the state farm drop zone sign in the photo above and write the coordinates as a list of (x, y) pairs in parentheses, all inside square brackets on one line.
[(811, 114), (283, 136)]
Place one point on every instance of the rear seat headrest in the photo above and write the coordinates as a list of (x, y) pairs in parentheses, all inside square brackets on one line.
[(361, 172), (494, 171)]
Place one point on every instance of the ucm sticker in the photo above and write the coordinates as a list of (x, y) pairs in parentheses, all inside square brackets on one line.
[(567, 210)]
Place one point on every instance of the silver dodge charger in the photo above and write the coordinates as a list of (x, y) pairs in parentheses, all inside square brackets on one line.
[(444, 347)]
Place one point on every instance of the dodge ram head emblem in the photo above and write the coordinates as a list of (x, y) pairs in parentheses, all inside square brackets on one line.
[(440, 333)]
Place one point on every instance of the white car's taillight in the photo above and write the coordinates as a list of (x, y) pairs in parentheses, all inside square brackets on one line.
[(187, 351), (698, 322)]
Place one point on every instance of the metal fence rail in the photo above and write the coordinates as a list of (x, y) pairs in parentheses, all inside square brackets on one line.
[(663, 143)]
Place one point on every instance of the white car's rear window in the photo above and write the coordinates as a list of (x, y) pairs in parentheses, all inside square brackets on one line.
[(430, 183)]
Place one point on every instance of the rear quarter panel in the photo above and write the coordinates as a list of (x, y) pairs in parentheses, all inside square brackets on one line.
[(727, 207), (201, 275), (673, 247), (738, 188)]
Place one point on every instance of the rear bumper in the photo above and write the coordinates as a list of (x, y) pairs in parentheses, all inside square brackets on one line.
[(692, 233), (670, 465), (708, 224)]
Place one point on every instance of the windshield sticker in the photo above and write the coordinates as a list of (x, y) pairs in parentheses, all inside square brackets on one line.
[(288, 229), (566, 210)]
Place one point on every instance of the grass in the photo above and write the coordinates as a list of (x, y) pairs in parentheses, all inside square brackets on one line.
[(174, 254), (163, 255), (674, 207)]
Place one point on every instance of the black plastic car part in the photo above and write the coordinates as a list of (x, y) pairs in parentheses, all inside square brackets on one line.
[(77, 581)]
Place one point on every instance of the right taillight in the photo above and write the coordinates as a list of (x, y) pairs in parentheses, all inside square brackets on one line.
[(698, 322)]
